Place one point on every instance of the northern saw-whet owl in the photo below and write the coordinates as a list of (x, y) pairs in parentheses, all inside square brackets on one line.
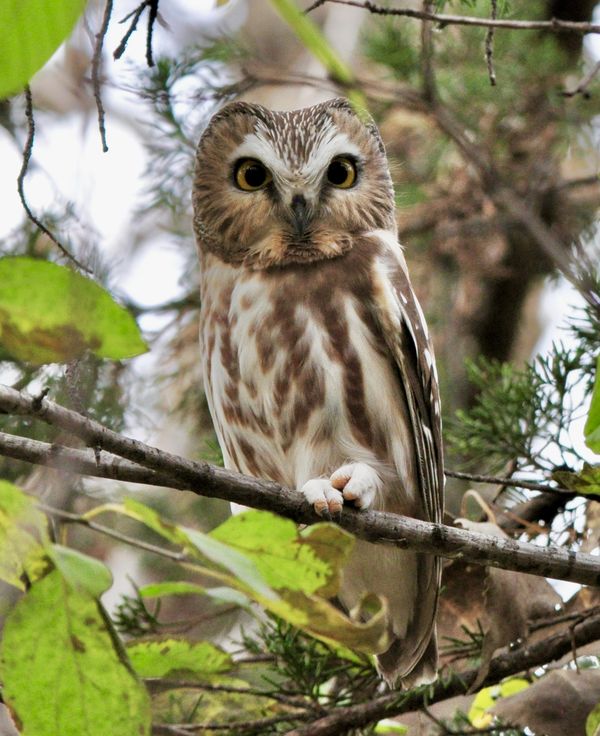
[(318, 369)]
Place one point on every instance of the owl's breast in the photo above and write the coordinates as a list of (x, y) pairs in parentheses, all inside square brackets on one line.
[(297, 377)]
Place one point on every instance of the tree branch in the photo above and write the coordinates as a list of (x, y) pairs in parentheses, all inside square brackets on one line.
[(508, 663), (208, 480), (514, 483), (555, 25)]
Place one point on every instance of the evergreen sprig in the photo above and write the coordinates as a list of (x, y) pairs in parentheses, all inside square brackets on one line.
[(522, 417)]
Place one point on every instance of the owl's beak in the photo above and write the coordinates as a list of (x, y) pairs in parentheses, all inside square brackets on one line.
[(300, 214)]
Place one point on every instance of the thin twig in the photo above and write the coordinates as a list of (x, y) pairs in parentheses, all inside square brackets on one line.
[(132, 541), (27, 153), (135, 15), (577, 616), (214, 482), (581, 87), (96, 64), (160, 684), (511, 482), (489, 45), (240, 726), (152, 16), (555, 24)]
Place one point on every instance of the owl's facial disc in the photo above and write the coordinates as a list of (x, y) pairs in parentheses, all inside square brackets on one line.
[(281, 188)]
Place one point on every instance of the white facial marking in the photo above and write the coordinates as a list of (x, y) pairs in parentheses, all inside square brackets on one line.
[(290, 173)]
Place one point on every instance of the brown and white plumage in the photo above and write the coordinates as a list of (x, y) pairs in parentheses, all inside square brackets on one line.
[(318, 370)]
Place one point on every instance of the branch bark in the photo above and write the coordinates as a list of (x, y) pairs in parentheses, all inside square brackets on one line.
[(141, 463)]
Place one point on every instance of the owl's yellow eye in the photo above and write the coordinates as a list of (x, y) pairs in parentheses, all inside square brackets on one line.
[(341, 172), (250, 175)]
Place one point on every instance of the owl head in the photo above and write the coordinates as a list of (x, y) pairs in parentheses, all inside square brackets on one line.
[(278, 188)]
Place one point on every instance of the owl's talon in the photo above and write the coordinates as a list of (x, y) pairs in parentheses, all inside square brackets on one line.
[(325, 499), (358, 482)]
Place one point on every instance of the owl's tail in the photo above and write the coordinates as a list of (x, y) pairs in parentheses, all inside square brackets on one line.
[(392, 665)]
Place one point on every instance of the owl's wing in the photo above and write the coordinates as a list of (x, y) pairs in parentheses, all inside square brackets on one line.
[(403, 327), (402, 323)]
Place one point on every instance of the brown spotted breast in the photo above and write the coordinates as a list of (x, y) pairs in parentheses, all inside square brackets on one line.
[(297, 375)]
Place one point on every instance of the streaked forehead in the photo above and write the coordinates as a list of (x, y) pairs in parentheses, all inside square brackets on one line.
[(296, 143)]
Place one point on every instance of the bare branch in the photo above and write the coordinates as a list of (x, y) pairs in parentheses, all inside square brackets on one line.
[(581, 88), (27, 153), (489, 45), (208, 480), (96, 63), (102, 529), (555, 25), (135, 15), (508, 663), (152, 16), (512, 482)]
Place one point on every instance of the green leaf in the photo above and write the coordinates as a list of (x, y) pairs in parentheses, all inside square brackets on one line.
[(80, 571), (178, 587), (236, 564), (149, 517), (30, 32), (308, 562), (586, 481), (243, 567), (23, 536), (592, 424), (321, 619), (592, 723), (62, 673), (49, 313), (387, 726), (160, 658), (478, 715)]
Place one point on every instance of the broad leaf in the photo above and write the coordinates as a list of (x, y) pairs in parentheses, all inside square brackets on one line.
[(30, 32), (62, 673), (159, 658), (592, 724), (592, 425), (308, 562), (321, 619), (49, 313), (23, 536), (486, 698), (586, 481), (149, 517), (80, 571), (387, 726), (236, 565)]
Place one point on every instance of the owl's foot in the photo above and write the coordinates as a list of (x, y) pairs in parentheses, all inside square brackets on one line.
[(357, 482), (325, 499)]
